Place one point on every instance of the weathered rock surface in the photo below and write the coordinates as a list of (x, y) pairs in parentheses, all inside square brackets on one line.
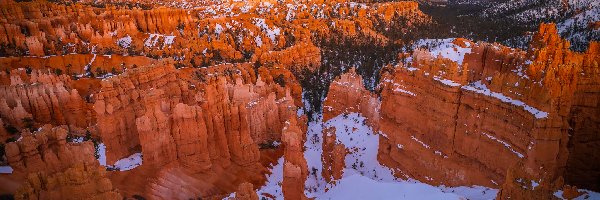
[(246, 192), (347, 94), (82, 181), (441, 119), (47, 151), (333, 157), (295, 169), (44, 98)]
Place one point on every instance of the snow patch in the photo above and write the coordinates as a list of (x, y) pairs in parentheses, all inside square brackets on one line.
[(124, 42), (274, 181), (505, 144), (360, 187), (129, 163), (6, 170), (444, 48), (479, 87)]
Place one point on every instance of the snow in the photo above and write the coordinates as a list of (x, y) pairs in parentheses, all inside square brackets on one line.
[(405, 91), (218, 29), (576, 28), (368, 180), (169, 39), (399, 88), (505, 144), (361, 187), (472, 192), (124, 164), (363, 143), (274, 180), (124, 42), (230, 197), (102, 154), (6, 170), (315, 183), (271, 33), (129, 163), (258, 41), (420, 142), (78, 139), (444, 48), (153, 39), (479, 87), (446, 81)]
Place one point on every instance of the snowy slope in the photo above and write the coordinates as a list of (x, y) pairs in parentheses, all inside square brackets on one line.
[(364, 177)]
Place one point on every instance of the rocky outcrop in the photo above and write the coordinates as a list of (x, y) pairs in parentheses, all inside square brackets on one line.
[(245, 192), (442, 117), (82, 181), (295, 170), (347, 94), (333, 156), (44, 98), (47, 151)]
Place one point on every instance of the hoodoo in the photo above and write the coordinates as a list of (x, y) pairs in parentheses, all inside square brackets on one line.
[(301, 100)]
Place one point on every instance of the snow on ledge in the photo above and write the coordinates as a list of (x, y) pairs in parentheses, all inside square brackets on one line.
[(590, 195), (124, 164), (445, 48), (504, 143), (481, 88), (129, 163), (398, 88), (447, 82)]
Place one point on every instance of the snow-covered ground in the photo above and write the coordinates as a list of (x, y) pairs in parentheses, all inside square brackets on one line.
[(589, 195), (274, 181), (363, 177), (124, 164), (444, 48)]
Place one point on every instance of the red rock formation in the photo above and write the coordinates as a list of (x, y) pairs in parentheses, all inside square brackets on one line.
[(245, 192), (441, 120), (347, 94), (47, 151), (82, 181), (333, 157), (45, 98), (295, 169)]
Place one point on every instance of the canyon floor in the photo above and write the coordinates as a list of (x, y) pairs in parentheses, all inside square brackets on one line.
[(288, 99)]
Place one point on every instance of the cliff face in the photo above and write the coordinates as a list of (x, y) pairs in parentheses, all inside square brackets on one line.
[(347, 94), (155, 109), (196, 123), (442, 117), (42, 97)]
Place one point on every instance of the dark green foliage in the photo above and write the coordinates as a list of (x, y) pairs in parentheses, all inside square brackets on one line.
[(58, 72), (11, 129), (268, 145), (280, 80), (11, 139), (138, 197), (28, 69), (29, 123)]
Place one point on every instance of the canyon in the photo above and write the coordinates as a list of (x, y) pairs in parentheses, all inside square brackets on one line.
[(289, 100)]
